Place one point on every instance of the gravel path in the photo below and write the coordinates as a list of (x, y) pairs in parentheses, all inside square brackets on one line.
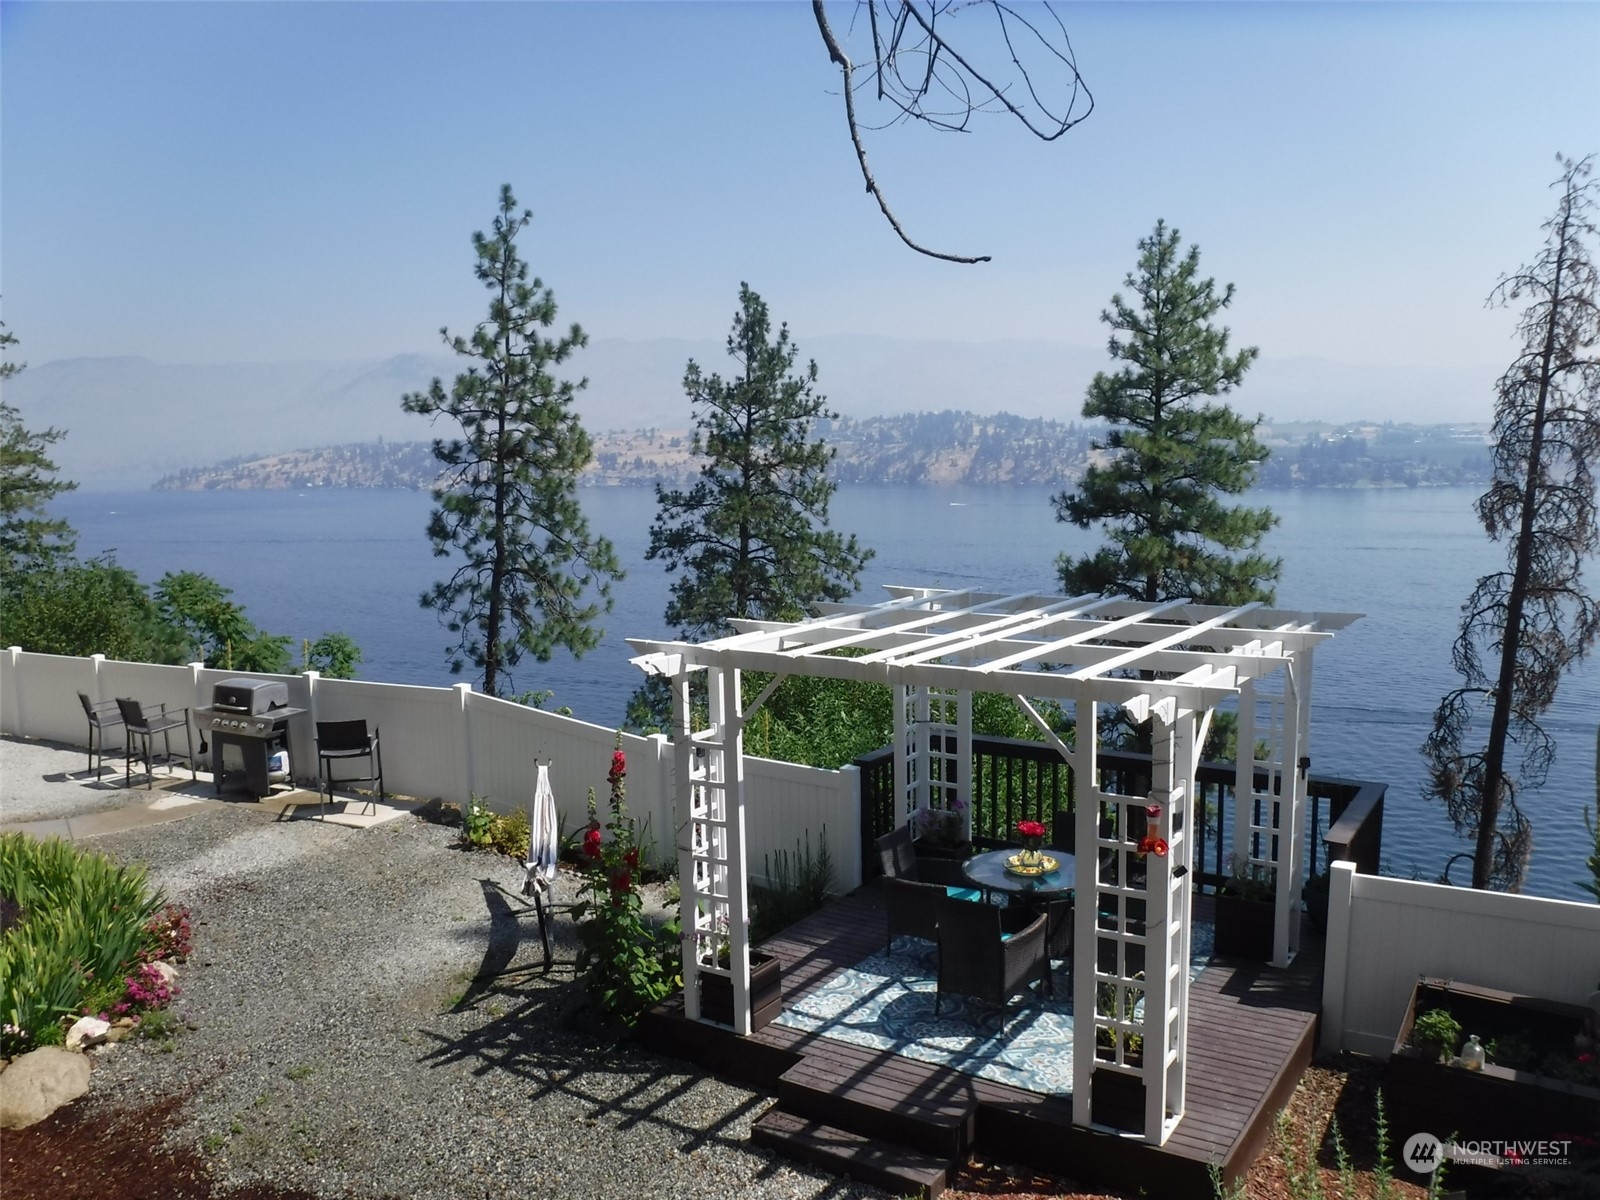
[(367, 1018)]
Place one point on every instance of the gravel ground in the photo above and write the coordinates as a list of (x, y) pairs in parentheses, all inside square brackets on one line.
[(366, 1016)]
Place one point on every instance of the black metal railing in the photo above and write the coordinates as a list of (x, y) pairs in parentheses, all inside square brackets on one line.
[(1016, 780)]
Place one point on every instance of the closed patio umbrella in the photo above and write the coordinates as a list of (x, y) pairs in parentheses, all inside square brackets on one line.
[(539, 870)]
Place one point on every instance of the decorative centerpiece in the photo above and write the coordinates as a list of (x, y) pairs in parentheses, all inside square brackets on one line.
[(1031, 859)]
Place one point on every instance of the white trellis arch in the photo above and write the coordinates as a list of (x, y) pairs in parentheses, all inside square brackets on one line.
[(1171, 662)]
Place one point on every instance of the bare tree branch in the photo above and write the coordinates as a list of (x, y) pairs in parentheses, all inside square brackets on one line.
[(914, 37)]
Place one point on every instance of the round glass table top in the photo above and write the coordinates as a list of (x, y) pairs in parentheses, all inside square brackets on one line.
[(990, 870)]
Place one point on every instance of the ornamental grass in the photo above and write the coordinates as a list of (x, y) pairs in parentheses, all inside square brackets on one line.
[(78, 930)]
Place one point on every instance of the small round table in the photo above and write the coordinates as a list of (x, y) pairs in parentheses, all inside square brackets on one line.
[(988, 871)]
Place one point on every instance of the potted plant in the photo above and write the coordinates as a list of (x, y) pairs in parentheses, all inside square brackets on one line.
[(1315, 894), (1246, 910), (766, 987), (1116, 1097), (1540, 1078), (941, 832)]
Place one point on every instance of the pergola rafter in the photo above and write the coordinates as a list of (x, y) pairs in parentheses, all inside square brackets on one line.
[(1171, 663)]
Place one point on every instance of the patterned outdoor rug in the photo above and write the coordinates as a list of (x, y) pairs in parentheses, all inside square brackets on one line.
[(885, 1002)]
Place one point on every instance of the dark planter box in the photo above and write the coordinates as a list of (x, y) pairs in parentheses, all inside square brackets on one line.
[(1497, 1102), (948, 853), (1117, 1101), (766, 993), (1244, 927)]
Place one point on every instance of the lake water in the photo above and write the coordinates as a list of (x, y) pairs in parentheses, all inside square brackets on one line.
[(307, 563)]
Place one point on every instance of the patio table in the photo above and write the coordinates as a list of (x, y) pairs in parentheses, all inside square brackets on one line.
[(988, 871)]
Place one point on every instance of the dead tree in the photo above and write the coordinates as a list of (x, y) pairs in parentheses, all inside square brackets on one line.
[(1522, 627)]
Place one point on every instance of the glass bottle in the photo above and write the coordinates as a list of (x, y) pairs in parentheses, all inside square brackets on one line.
[(1472, 1056)]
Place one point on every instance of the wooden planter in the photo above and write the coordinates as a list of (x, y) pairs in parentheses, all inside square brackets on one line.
[(1244, 927), (766, 993), (1496, 1102), (1116, 1100), (958, 853)]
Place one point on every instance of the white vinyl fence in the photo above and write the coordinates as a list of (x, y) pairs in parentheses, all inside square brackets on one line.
[(1383, 933), (451, 743)]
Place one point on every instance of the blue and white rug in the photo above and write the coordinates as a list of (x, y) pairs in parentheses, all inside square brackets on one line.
[(885, 1002)]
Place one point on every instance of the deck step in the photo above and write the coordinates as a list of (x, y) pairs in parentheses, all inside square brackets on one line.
[(897, 1169), (875, 1105)]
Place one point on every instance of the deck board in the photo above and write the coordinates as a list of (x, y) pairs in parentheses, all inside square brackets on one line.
[(1251, 1033)]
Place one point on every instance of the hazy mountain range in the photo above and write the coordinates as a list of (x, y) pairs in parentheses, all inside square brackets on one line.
[(130, 420)]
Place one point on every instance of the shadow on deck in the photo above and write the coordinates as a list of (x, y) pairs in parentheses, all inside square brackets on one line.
[(901, 1123)]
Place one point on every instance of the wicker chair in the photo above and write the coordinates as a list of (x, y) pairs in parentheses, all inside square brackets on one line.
[(912, 886), (977, 958)]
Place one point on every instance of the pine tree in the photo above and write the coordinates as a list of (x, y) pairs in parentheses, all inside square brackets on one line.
[(1175, 452), (751, 537), (29, 541), (1522, 627), (531, 577)]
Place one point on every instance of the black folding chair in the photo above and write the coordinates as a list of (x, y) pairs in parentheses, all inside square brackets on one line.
[(340, 741), (103, 715), (142, 728)]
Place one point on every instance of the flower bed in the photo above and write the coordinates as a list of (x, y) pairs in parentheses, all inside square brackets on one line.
[(1541, 1080)]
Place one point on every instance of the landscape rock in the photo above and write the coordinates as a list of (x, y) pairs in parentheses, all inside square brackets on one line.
[(86, 1032), (167, 971), (38, 1083)]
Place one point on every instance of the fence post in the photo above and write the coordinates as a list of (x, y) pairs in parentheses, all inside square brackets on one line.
[(310, 720), (849, 836), (97, 661), (12, 713), (664, 808), (463, 692), (1336, 955)]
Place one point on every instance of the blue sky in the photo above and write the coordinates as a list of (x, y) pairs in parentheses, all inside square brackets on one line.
[(261, 182)]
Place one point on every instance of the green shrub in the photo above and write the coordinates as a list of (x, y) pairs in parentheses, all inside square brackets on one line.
[(82, 924)]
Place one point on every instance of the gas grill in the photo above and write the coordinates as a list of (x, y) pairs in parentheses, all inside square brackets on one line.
[(248, 722)]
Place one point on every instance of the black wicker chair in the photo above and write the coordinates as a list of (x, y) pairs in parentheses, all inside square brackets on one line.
[(912, 886), (978, 958), (142, 728), (103, 715)]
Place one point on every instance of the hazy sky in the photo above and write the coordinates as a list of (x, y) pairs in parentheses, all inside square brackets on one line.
[(238, 181)]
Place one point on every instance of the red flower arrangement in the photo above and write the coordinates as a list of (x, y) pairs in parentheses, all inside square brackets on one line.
[(1030, 829)]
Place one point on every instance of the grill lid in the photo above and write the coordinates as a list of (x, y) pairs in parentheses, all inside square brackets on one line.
[(250, 695)]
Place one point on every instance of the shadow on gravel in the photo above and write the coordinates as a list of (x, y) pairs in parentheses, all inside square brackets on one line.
[(540, 1030)]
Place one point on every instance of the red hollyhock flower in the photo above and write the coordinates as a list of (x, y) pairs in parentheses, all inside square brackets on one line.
[(591, 843), (619, 764), (621, 881), (632, 858)]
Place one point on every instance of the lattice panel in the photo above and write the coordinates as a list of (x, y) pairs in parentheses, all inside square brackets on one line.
[(934, 729)]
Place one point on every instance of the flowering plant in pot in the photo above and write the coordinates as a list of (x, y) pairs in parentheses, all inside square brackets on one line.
[(940, 828), (1246, 910)]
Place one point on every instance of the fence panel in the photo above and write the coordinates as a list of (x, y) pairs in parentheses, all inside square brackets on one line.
[(785, 804), (42, 696), (423, 742), (1523, 944)]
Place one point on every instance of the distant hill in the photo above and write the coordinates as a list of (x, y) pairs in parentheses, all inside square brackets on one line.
[(917, 448), (130, 420)]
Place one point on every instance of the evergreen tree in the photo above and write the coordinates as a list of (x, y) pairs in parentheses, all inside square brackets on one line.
[(751, 537), (1522, 627), (1175, 451), (29, 541), (530, 577)]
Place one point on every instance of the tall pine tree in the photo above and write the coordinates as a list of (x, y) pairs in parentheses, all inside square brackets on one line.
[(29, 540), (751, 537), (1523, 626), (530, 576), (1175, 451)]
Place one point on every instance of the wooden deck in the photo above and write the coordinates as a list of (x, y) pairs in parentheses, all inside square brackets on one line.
[(1252, 1031)]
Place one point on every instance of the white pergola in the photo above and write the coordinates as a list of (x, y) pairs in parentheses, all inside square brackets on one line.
[(1172, 663)]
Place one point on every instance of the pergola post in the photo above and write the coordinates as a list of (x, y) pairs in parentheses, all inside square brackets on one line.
[(714, 891)]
